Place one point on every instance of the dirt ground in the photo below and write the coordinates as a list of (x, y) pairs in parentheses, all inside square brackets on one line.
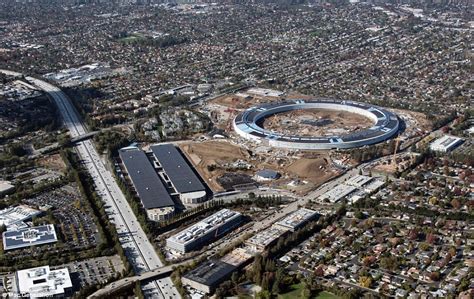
[(403, 162), (53, 162), (315, 170), (239, 102), (204, 154), (316, 122)]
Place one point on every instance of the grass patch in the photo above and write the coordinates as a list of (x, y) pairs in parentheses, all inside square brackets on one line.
[(326, 295), (295, 291)]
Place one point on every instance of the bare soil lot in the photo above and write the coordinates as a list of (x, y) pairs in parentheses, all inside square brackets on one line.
[(205, 155), (316, 170), (53, 162), (212, 159), (316, 122)]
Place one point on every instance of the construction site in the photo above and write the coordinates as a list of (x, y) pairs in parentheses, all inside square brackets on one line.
[(315, 122), (231, 163)]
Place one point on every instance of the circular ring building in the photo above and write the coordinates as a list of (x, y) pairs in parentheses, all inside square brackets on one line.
[(248, 125)]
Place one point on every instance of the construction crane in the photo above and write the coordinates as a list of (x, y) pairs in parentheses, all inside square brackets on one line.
[(231, 119), (397, 143)]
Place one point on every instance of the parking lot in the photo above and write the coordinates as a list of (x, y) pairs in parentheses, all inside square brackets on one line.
[(95, 271), (75, 223)]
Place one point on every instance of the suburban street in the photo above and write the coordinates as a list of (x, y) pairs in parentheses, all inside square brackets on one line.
[(139, 250)]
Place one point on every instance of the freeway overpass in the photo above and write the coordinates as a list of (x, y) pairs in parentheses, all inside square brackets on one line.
[(83, 136), (116, 286)]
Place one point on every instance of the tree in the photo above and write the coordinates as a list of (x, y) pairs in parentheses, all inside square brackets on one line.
[(435, 276), (235, 278), (368, 260), (306, 292), (431, 238), (319, 271), (365, 281), (456, 204), (264, 294), (424, 246), (17, 149), (3, 228)]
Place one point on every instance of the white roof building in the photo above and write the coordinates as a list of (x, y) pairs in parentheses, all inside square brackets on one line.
[(338, 193), (358, 180), (446, 143), (5, 187), (43, 282), (204, 231), (296, 219), (14, 217)]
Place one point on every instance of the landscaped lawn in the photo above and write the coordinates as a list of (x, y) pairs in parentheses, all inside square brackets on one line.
[(326, 295), (295, 293)]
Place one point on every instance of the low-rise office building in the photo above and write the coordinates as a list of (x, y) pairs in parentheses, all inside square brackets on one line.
[(41, 282), (204, 231), (262, 240), (446, 143), (338, 193), (208, 275), (296, 219), (29, 236), (15, 217), (6, 187)]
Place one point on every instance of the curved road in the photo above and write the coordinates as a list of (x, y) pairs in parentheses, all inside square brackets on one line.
[(138, 249)]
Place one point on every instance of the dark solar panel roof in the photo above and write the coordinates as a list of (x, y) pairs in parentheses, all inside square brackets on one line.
[(148, 185), (177, 169), (30, 236), (211, 273), (361, 135), (268, 173), (377, 113)]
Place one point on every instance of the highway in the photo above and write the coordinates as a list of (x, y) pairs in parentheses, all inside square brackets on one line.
[(138, 249), (109, 290)]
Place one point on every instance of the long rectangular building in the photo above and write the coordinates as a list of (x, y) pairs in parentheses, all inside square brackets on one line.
[(150, 189), (204, 231), (179, 174)]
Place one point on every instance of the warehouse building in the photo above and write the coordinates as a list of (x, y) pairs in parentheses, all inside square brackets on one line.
[(204, 231), (42, 282), (446, 143), (296, 219), (30, 236), (208, 275), (150, 189), (176, 172)]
